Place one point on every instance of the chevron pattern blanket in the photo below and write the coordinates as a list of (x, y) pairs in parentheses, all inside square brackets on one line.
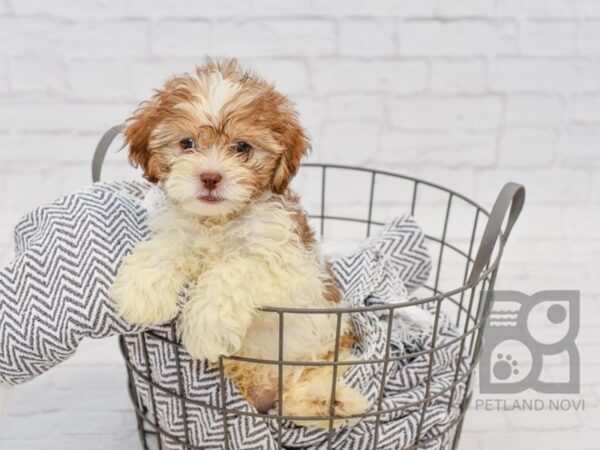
[(54, 294)]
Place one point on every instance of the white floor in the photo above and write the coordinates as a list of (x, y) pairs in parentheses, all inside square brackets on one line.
[(81, 404)]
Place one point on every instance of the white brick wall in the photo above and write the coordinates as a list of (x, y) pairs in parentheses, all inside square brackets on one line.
[(468, 93)]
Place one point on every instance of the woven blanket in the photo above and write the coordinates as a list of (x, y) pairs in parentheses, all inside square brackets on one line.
[(54, 294)]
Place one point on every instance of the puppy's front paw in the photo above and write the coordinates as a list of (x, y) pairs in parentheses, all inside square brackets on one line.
[(211, 326), (144, 298)]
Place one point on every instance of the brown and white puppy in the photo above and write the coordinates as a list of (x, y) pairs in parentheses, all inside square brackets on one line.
[(223, 145)]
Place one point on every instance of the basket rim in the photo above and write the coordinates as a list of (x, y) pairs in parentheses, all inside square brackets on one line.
[(326, 165)]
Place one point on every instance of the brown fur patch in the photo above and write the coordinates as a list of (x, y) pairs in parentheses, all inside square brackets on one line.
[(333, 293)]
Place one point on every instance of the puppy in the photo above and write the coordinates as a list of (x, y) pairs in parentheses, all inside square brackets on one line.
[(223, 145)]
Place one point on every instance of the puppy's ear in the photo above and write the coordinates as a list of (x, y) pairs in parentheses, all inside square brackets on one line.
[(296, 145), (138, 131)]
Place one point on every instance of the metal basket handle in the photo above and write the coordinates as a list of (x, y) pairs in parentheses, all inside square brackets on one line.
[(512, 195), (101, 149)]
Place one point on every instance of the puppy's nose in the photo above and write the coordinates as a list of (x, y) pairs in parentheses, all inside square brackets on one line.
[(210, 180)]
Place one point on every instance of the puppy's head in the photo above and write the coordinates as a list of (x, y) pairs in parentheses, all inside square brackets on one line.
[(217, 139)]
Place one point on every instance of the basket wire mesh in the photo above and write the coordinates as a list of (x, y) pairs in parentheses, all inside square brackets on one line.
[(468, 303)]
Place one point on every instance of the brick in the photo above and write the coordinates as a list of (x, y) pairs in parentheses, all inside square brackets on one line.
[(414, 8), (369, 37), (312, 113), (466, 8), (104, 38), (549, 38), (586, 281), (353, 143), (147, 75), (538, 8), (590, 37), (589, 8), (539, 222), (584, 110), (349, 76), (188, 9), (275, 37), (8, 221), (596, 188), (438, 148), (578, 147), (534, 110), (572, 252), (66, 8), (270, 8), (407, 8), (111, 171), (26, 191), (448, 113), (77, 175), (64, 116), (290, 76), (462, 181), (584, 223), (589, 353), (369, 107), (521, 277), (92, 38), (458, 76), (486, 420), (7, 143), (103, 79), (544, 187), (180, 37), (534, 148), (588, 336), (52, 147), (3, 193), (38, 74), (462, 37), (33, 35), (545, 75), (590, 375), (4, 77)]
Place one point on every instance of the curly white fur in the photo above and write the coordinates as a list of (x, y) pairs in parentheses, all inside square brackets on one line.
[(238, 266)]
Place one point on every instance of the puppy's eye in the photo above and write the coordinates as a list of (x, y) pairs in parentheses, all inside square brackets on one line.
[(242, 147), (187, 143)]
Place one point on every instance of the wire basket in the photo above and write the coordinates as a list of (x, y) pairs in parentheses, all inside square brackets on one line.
[(464, 240)]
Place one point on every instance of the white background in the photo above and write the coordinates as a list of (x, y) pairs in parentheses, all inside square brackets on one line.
[(469, 94)]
